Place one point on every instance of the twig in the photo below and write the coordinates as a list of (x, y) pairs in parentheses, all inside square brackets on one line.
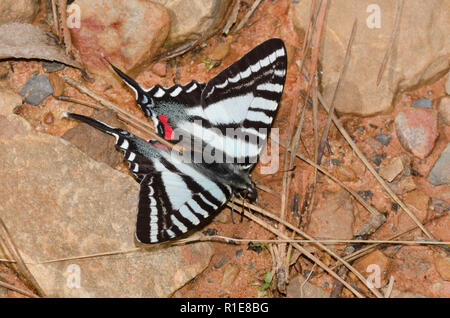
[(78, 101), (18, 290), (232, 17), (55, 20), (293, 228), (392, 41), (336, 90), (12, 252), (247, 15)]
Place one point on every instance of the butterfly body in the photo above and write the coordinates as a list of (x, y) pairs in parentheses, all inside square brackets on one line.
[(223, 123)]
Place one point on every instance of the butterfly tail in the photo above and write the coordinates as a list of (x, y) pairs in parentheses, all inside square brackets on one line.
[(94, 123), (141, 97)]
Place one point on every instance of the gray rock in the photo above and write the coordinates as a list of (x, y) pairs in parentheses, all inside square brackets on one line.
[(440, 173), (57, 203), (50, 67), (422, 103), (36, 89), (384, 139)]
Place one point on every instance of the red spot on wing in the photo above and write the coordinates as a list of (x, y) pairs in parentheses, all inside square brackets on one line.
[(168, 131)]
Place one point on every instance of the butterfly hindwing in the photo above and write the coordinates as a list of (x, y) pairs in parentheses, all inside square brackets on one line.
[(175, 197)]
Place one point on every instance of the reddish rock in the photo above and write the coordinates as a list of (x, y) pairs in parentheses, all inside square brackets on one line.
[(442, 265), (160, 68), (417, 130), (333, 217), (127, 33), (230, 274), (417, 201), (374, 263), (57, 83)]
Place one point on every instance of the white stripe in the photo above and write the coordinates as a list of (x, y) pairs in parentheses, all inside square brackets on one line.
[(207, 201), (229, 110), (178, 224), (187, 214), (144, 99), (134, 89), (272, 57), (270, 87), (197, 208), (159, 93), (116, 136), (280, 73), (235, 79), (246, 73), (195, 111), (255, 67), (125, 144), (227, 144), (132, 156), (253, 131), (259, 116), (264, 62), (190, 89), (177, 91), (185, 169), (263, 103), (136, 167), (171, 234), (280, 52), (224, 84)]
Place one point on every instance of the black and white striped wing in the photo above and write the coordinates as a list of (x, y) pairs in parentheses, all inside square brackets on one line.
[(188, 95), (245, 97), (174, 196), (174, 199)]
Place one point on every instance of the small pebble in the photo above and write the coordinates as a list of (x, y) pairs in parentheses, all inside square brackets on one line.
[(336, 162), (220, 263), (384, 139), (377, 158), (239, 252), (422, 103), (49, 118), (52, 66), (373, 126), (365, 194), (210, 232)]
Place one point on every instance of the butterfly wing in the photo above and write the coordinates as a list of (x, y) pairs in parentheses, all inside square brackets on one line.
[(245, 97), (174, 199), (174, 196)]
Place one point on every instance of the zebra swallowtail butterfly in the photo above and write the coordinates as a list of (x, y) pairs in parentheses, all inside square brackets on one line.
[(176, 196)]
